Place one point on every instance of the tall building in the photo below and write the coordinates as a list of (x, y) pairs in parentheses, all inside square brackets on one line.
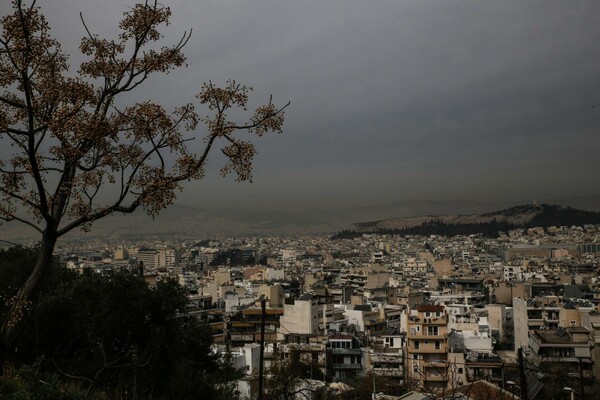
[(427, 337), (149, 257), (168, 258), (121, 253)]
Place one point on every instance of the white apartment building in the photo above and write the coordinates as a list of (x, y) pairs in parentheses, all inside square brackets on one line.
[(306, 316), (512, 273)]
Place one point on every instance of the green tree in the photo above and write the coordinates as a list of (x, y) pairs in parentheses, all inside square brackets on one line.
[(73, 145), (111, 336)]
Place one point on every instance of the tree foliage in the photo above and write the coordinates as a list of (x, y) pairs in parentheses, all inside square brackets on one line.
[(111, 335), (71, 140), (76, 153)]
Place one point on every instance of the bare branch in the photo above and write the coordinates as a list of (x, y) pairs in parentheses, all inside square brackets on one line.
[(85, 378), (12, 103), (21, 220)]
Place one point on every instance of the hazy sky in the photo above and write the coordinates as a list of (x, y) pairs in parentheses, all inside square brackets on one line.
[(391, 100)]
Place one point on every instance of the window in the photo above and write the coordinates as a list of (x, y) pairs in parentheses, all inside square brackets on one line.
[(437, 344), (428, 314), (415, 356), (460, 370), (416, 344)]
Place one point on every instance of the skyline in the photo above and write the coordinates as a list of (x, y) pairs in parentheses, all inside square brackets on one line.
[(393, 102)]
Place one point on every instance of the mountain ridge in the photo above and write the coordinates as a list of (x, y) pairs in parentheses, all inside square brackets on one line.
[(489, 223), (194, 221)]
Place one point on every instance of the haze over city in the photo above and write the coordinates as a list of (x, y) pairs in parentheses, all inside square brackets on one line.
[(421, 221), (390, 101)]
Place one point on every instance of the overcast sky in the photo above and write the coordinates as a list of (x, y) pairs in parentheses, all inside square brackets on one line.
[(391, 100)]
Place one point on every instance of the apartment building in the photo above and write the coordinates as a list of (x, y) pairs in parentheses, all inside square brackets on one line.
[(533, 314), (344, 357), (471, 357), (427, 353), (547, 312), (306, 315), (566, 349), (168, 258), (149, 257)]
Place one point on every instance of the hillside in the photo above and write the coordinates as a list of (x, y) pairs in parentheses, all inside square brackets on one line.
[(488, 224), (194, 221)]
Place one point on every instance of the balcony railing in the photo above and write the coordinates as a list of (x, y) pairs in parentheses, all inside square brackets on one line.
[(435, 364), (396, 372), (347, 366), (425, 335), (435, 377), (352, 352), (427, 350)]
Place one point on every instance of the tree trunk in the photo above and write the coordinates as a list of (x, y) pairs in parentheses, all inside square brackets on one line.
[(19, 306)]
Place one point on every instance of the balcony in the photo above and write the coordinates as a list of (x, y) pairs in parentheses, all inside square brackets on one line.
[(551, 318), (347, 366), (428, 350), (435, 377), (425, 336), (351, 352), (389, 372), (429, 320), (435, 364), (564, 359), (242, 338)]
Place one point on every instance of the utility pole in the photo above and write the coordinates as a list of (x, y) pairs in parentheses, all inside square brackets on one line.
[(373, 396), (581, 383), (261, 366), (502, 371), (523, 392)]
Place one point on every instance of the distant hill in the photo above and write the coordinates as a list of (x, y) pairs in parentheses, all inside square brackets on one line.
[(488, 224), (195, 222)]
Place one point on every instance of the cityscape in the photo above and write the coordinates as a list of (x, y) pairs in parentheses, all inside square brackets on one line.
[(277, 200), (432, 313)]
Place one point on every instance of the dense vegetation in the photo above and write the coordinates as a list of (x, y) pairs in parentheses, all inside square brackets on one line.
[(555, 215), (436, 227), (546, 215), (94, 336)]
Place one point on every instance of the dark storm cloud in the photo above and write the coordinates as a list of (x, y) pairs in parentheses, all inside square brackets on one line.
[(392, 99)]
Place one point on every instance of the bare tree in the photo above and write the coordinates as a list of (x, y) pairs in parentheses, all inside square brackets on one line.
[(76, 155), (287, 380), (455, 387)]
